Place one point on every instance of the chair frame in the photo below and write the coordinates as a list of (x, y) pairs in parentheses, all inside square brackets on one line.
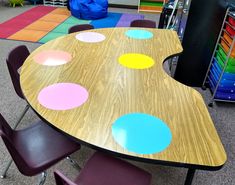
[(5, 131), (80, 27), (143, 23), (15, 79)]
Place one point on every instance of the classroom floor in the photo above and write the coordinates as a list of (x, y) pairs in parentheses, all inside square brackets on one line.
[(11, 106)]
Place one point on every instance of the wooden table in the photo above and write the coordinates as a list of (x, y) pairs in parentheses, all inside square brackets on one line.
[(115, 90)]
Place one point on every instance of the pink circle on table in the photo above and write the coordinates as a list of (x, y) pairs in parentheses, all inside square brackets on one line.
[(52, 58), (62, 96), (90, 37)]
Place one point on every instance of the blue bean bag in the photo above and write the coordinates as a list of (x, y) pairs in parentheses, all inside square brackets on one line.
[(89, 9)]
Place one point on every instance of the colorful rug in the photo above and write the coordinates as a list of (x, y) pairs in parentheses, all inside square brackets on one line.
[(43, 23)]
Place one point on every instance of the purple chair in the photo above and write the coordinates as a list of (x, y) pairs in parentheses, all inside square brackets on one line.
[(143, 24), (36, 148), (80, 27), (15, 60), (102, 169)]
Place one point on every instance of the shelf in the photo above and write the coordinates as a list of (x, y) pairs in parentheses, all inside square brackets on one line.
[(150, 9), (55, 3), (151, 6), (218, 72)]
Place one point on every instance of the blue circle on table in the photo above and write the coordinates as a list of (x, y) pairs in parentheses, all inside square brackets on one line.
[(141, 133), (139, 34)]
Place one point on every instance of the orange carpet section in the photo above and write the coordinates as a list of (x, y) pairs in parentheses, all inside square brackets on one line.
[(40, 28), (54, 17), (29, 35), (61, 11)]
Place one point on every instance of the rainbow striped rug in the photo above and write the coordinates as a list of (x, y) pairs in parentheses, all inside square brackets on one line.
[(44, 23)]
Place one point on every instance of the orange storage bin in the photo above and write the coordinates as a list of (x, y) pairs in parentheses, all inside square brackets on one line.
[(226, 48), (227, 38)]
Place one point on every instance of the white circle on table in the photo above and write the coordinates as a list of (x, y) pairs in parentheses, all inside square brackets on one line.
[(90, 37)]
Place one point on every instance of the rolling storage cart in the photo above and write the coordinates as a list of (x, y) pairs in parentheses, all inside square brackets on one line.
[(220, 76)]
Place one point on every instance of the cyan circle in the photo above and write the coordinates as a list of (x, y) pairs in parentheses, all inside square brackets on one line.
[(139, 34), (141, 133)]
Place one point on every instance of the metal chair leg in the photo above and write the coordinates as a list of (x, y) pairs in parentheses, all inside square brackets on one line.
[(43, 178), (22, 115), (74, 163), (6, 169)]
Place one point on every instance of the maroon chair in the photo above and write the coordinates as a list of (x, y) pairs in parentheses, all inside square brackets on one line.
[(15, 60), (143, 24), (102, 169), (80, 27), (36, 148)]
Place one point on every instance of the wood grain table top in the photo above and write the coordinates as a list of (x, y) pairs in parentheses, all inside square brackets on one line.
[(115, 90)]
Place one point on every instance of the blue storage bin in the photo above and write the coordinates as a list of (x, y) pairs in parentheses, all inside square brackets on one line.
[(222, 93), (226, 75)]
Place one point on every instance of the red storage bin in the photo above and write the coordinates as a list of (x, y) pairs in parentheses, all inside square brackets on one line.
[(231, 21), (230, 30)]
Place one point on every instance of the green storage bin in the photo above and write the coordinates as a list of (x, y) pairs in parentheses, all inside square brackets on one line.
[(147, 3), (229, 69), (231, 60)]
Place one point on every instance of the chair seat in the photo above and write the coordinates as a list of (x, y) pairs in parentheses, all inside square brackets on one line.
[(41, 147), (102, 169)]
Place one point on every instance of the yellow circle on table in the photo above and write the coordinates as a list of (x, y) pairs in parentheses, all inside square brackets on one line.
[(136, 61)]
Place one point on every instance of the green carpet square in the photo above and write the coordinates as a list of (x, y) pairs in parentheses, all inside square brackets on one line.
[(51, 36), (63, 28), (73, 20)]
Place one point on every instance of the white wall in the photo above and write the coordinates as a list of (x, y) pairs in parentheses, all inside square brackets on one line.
[(124, 2)]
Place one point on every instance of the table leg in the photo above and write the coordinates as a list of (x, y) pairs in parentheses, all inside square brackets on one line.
[(190, 175)]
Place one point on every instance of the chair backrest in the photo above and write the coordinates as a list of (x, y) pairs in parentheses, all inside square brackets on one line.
[(8, 137), (15, 60), (80, 27), (60, 179), (143, 24)]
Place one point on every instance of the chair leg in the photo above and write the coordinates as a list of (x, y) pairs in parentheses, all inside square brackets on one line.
[(22, 115), (43, 178), (74, 163), (6, 169)]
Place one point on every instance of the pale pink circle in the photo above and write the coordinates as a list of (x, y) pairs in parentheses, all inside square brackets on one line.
[(90, 37), (62, 96), (52, 58)]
